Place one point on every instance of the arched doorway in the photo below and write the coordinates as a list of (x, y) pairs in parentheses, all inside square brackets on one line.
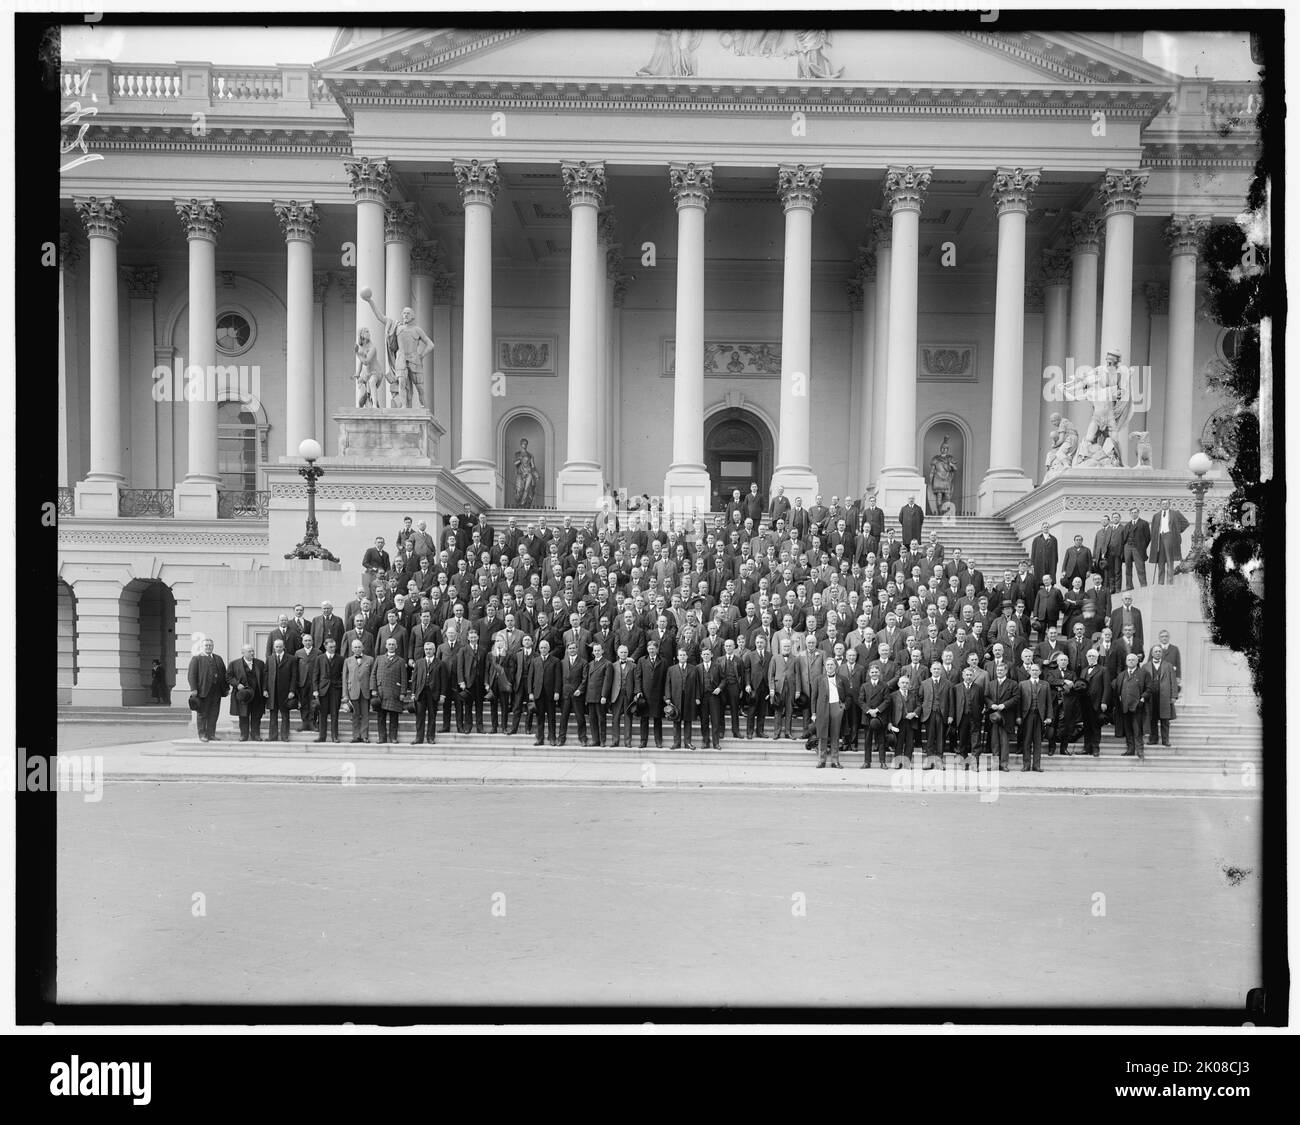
[(944, 449), (66, 676), (156, 620), (738, 452)]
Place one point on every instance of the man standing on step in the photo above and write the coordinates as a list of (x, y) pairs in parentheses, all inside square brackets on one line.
[(544, 686), (1035, 715), (573, 693), (427, 685), (1164, 690), (248, 693), (911, 519), (682, 695), (622, 689), (652, 677), (209, 685), (1094, 701), (326, 688), (388, 685), (1132, 693), (282, 688), (1002, 700)]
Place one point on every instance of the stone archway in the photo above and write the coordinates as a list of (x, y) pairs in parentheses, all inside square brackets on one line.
[(66, 676), (156, 637), (738, 450)]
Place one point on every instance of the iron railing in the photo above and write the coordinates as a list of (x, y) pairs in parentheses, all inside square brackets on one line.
[(243, 505), (135, 502)]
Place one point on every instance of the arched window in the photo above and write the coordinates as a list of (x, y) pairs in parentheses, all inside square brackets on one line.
[(238, 447)]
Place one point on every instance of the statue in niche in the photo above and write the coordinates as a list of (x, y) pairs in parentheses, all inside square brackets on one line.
[(1065, 445), (525, 476), (943, 472), (407, 344), (674, 55)]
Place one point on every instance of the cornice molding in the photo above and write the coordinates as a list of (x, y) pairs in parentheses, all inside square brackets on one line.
[(173, 137)]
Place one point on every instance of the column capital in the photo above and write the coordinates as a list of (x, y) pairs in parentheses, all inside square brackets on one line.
[(346, 280), (69, 250), (371, 179), (1055, 267), (1184, 234), (141, 281), (882, 230), (853, 286), (425, 257), (298, 220), (1121, 190), (201, 218), (905, 187), (102, 216), (1085, 232), (584, 182), (690, 183), (799, 186), (1012, 188), (320, 283), (1157, 296), (401, 222), (478, 181)]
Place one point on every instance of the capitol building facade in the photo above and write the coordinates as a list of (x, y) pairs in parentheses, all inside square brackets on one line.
[(665, 263)]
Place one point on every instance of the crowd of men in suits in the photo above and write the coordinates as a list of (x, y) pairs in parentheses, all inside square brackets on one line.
[(846, 633)]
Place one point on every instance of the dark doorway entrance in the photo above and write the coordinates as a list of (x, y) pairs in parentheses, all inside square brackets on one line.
[(737, 452)]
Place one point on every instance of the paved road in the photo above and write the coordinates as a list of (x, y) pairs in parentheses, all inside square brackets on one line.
[(377, 894)]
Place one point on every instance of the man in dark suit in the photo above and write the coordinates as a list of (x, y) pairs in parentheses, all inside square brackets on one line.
[(327, 624), (733, 684), (712, 691), (1002, 701), (757, 689), (282, 689), (573, 693), (622, 692), (1136, 544), (1094, 701), (682, 694), (468, 669), (911, 519), (357, 675), (1102, 546), (427, 685), (1043, 554), (248, 693), (1132, 693), (753, 506), (1165, 688), (359, 632), (936, 714), (874, 708), (905, 714), (521, 654), (1077, 564), (1167, 527), (326, 680), (968, 717), (651, 678), (388, 685), (599, 691), (1169, 652), (1127, 614), (281, 632), (544, 686), (1035, 715), (779, 509), (375, 561), (209, 683)]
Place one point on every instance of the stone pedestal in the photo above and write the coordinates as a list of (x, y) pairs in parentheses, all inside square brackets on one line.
[(894, 486), (96, 498), (999, 488), (686, 489), (405, 436), (195, 500), (387, 468)]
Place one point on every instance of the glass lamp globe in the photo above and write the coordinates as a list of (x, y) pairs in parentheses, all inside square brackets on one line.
[(310, 450), (1200, 463)]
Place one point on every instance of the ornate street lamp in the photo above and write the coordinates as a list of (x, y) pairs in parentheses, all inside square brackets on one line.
[(310, 548), (1200, 464)]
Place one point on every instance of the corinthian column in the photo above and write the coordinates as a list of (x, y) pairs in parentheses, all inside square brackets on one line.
[(686, 485), (299, 221), (196, 496), (1006, 479), (370, 180), (1055, 272), (1183, 235), (400, 229), (881, 237), (905, 188), (479, 182), (97, 494), (799, 186), (1121, 191), (580, 482), (1085, 251)]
